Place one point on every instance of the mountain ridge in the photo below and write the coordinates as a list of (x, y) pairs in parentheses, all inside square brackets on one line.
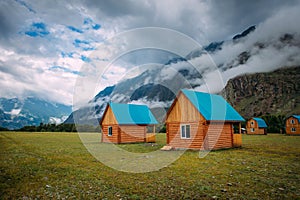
[(275, 93), (157, 87), (16, 113)]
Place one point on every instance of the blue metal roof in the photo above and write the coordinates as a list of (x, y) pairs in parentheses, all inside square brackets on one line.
[(297, 117), (132, 114), (261, 123), (212, 107)]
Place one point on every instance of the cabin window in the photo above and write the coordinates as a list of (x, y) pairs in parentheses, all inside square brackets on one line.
[(293, 129), (252, 129), (292, 121), (185, 131), (109, 131)]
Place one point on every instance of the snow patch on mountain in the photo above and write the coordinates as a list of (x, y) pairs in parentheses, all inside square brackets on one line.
[(14, 112)]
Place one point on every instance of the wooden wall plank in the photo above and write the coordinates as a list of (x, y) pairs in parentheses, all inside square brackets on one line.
[(131, 134), (203, 136), (115, 133), (109, 117), (183, 111)]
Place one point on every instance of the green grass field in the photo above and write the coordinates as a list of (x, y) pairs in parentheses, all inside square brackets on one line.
[(57, 165)]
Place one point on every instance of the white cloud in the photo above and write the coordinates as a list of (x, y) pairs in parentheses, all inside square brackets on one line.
[(25, 59)]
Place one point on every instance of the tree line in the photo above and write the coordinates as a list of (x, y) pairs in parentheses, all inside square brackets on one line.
[(276, 124), (57, 128)]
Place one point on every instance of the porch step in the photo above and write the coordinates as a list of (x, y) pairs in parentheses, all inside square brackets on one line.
[(166, 148)]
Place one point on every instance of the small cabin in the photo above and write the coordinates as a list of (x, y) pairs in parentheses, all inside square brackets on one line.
[(292, 125), (127, 123), (256, 126), (202, 121)]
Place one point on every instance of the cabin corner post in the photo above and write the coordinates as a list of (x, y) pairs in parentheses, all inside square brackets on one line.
[(167, 133), (119, 134), (240, 127), (145, 133), (232, 135), (101, 133)]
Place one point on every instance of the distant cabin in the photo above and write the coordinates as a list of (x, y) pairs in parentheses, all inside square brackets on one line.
[(292, 125), (127, 123), (256, 126), (203, 121)]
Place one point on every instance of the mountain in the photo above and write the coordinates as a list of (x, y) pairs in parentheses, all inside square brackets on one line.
[(16, 113), (91, 113), (244, 33), (213, 47), (276, 92), (249, 52)]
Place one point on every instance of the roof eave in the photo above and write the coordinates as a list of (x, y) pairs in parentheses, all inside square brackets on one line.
[(107, 106), (225, 120), (137, 124)]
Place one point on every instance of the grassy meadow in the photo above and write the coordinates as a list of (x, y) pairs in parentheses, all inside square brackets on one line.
[(57, 165)]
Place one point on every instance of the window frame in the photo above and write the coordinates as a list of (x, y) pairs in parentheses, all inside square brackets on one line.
[(293, 129), (185, 131), (252, 130), (110, 133), (292, 121)]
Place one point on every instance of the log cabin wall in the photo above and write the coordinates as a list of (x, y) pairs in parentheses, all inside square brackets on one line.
[(114, 138), (196, 135), (210, 137), (109, 120), (292, 126), (125, 129), (183, 112), (132, 133), (218, 136), (253, 129), (109, 117)]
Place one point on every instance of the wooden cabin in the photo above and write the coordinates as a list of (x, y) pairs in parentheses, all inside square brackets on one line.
[(202, 121), (127, 123), (292, 125), (256, 126)]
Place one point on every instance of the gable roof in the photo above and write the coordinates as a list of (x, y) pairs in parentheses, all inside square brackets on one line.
[(131, 114), (297, 117), (213, 107), (261, 123)]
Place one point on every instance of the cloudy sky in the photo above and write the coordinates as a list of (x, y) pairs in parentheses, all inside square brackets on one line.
[(44, 44)]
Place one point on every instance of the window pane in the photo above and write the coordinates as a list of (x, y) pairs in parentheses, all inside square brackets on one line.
[(188, 132), (183, 131), (110, 130)]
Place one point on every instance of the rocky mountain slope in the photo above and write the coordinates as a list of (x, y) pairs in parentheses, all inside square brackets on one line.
[(155, 87), (16, 113), (259, 94), (249, 52)]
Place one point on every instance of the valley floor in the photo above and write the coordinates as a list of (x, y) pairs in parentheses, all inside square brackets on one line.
[(57, 165)]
